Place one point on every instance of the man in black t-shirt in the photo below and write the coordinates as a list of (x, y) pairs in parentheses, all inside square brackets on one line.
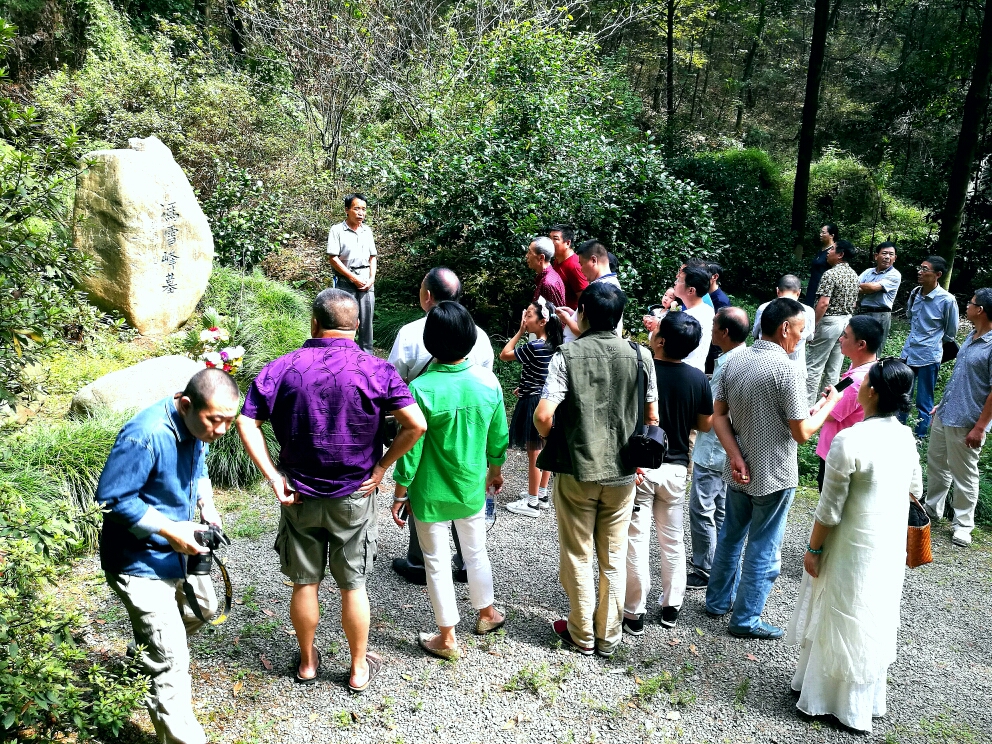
[(684, 404)]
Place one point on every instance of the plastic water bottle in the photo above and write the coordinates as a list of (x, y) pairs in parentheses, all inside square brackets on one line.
[(490, 508)]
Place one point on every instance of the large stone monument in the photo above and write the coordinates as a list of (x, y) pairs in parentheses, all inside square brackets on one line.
[(137, 215)]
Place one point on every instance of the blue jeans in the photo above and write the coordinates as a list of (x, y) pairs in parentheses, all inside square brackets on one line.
[(707, 502), (745, 586), (925, 383)]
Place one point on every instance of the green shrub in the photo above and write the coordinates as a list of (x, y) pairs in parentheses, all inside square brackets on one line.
[(49, 688), (275, 320), (537, 130), (751, 214)]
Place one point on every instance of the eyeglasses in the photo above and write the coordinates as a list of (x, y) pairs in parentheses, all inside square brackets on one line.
[(975, 304), (924, 269)]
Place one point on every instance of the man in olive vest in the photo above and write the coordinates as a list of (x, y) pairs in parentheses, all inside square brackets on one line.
[(592, 384)]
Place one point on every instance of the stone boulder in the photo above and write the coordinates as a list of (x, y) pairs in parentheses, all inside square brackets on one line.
[(137, 216), (135, 388)]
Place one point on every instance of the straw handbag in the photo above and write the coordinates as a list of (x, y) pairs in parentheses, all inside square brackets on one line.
[(918, 536)]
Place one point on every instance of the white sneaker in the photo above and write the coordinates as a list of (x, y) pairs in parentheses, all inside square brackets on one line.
[(544, 504), (522, 506), (961, 537)]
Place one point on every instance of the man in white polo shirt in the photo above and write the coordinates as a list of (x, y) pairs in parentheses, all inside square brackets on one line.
[(351, 251)]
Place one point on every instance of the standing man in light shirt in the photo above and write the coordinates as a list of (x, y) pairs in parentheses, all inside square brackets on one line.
[(878, 287), (836, 299), (760, 415), (933, 320), (567, 263), (708, 493), (790, 286), (351, 252), (960, 424), (691, 287), (411, 359), (860, 343), (594, 261)]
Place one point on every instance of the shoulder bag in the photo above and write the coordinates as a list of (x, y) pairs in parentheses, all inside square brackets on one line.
[(648, 445), (918, 551)]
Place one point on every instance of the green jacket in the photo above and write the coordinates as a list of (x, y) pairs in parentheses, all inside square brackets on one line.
[(466, 432), (598, 416)]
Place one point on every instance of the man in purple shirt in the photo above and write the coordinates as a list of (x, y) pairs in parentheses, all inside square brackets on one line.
[(326, 403), (549, 284)]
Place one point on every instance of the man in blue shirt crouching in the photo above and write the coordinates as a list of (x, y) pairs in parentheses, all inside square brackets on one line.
[(153, 482)]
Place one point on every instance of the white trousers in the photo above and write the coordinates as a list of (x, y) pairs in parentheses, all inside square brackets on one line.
[(437, 560), (661, 495), (950, 460), (161, 619)]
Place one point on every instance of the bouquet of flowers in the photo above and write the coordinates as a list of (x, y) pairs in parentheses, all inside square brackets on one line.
[(210, 345)]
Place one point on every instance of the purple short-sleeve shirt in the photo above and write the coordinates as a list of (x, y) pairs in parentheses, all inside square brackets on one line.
[(326, 403)]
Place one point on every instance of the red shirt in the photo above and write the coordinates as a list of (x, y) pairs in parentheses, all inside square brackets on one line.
[(575, 280), (550, 286)]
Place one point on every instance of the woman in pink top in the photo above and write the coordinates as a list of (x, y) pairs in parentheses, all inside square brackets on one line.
[(859, 343)]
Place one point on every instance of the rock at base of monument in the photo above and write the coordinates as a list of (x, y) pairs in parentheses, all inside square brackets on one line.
[(137, 216), (135, 388)]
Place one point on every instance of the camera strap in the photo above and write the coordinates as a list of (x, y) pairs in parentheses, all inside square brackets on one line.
[(194, 603)]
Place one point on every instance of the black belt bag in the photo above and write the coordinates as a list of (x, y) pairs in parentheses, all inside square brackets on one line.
[(648, 445)]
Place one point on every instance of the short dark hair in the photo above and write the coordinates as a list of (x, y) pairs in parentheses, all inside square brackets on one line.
[(846, 250), (443, 284), (592, 248), (939, 264), (778, 311), (984, 300), (207, 385), (790, 283), (893, 382), (697, 278), (613, 261), (681, 332), (602, 305), (450, 332), (734, 321), (832, 230), (567, 232), (335, 310), (701, 262), (714, 268), (867, 329), (886, 244), (350, 198)]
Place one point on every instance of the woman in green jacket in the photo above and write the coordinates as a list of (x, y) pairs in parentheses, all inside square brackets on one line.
[(445, 476)]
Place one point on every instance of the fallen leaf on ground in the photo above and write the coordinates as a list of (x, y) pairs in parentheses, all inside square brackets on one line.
[(268, 612), (674, 642), (692, 649), (266, 663), (98, 621), (407, 607), (673, 715), (638, 680), (289, 631), (751, 657), (407, 677), (699, 631), (239, 601), (238, 686), (237, 640), (313, 717)]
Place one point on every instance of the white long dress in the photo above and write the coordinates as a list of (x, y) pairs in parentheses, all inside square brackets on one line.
[(846, 619)]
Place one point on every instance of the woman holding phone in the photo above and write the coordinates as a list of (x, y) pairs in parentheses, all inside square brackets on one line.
[(445, 476)]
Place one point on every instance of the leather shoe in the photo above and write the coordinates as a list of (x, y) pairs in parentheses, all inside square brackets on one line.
[(412, 573), (763, 632)]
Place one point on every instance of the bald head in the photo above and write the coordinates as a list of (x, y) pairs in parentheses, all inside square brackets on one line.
[(335, 310), (211, 384), (209, 404), (440, 285), (730, 327)]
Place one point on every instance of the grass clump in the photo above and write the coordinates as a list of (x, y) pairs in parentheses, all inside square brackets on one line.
[(539, 680)]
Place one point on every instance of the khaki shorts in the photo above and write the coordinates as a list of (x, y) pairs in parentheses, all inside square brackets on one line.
[(337, 533)]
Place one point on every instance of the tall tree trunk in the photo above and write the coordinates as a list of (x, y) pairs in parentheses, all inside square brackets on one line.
[(975, 105), (752, 52), (814, 76), (670, 66)]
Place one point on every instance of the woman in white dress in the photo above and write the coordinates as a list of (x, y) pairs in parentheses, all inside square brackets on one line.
[(848, 610)]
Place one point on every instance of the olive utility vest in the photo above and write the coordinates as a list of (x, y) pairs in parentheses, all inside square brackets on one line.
[(599, 413)]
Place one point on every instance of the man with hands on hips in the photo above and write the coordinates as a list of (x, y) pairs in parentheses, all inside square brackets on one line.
[(154, 482), (326, 403)]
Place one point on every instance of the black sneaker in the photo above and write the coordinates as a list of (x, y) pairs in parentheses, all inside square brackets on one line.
[(669, 616), (695, 581), (634, 626)]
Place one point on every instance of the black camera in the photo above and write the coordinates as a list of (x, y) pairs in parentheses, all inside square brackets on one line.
[(211, 538)]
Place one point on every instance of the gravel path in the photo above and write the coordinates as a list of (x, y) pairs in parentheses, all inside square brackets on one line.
[(694, 683)]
